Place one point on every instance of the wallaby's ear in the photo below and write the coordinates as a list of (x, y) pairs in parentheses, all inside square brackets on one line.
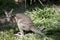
[(5, 12), (11, 11)]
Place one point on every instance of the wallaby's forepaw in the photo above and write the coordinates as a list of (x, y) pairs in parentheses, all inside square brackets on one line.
[(17, 34)]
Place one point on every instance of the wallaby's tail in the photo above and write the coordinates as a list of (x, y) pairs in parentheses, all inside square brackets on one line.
[(37, 32)]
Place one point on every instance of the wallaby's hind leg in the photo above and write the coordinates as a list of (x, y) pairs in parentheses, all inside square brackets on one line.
[(22, 32)]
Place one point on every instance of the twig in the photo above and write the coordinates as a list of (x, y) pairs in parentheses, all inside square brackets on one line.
[(41, 3)]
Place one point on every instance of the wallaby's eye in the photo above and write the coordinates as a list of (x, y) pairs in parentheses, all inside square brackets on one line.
[(9, 16)]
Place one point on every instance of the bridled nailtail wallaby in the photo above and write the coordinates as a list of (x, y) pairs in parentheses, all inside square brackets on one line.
[(24, 23)]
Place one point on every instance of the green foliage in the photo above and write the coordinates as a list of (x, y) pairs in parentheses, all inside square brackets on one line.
[(6, 35), (47, 17)]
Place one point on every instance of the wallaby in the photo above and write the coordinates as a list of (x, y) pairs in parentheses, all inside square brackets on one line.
[(24, 23)]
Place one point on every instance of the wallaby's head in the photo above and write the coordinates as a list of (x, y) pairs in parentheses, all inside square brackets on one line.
[(8, 15)]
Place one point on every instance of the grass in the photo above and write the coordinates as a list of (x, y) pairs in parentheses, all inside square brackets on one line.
[(46, 16), (6, 35)]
